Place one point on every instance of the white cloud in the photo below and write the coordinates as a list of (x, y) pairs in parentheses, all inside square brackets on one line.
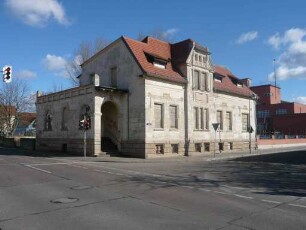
[(37, 12), (247, 37), (291, 63), (170, 32), (301, 100), (56, 64), (25, 74)]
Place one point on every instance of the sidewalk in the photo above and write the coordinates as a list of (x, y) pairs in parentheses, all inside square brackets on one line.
[(204, 157)]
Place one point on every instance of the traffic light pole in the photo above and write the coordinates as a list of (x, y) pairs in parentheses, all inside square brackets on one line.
[(84, 143)]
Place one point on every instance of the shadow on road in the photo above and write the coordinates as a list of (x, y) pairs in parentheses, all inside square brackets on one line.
[(277, 174)]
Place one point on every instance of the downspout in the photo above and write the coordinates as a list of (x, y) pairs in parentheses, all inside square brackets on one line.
[(186, 119)]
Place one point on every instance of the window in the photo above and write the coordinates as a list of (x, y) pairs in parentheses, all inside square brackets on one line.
[(220, 119), (263, 113), (114, 77), (281, 111), (175, 148), (245, 122), (158, 116), (200, 82), (218, 78), (206, 120), (198, 147), (201, 119), (203, 81), (196, 118), (65, 119), (268, 94), (230, 146), (173, 117), (206, 146), (159, 149), (229, 121), (200, 58), (48, 121), (196, 57), (204, 58), (196, 80)]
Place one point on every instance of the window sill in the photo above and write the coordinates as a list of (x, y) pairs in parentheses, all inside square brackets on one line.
[(174, 129)]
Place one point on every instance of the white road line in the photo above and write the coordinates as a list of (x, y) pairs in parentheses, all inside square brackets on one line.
[(204, 189), (298, 205), (185, 186), (226, 186), (245, 197), (271, 201), (224, 193), (46, 164), (77, 166), (32, 167)]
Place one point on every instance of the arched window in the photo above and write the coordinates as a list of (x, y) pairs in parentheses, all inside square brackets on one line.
[(48, 121), (65, 118)]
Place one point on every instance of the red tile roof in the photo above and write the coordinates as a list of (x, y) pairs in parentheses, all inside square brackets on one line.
[(27, 118), (228, 84), (157, 48)]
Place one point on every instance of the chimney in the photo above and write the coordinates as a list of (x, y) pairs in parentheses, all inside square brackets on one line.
[(247, 82)]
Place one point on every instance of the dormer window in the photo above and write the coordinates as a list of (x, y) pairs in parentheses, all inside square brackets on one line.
[(157, 61), (239, 84), (158, 65), (218, 78)]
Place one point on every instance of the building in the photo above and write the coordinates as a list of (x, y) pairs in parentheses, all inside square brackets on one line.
[(26, 124), (277, 116), (149, 98)]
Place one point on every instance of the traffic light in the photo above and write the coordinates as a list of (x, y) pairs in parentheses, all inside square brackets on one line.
[(81, 124), (87, 123), (7, 74)]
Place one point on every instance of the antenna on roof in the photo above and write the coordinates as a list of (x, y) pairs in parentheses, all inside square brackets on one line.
[(274, 77)]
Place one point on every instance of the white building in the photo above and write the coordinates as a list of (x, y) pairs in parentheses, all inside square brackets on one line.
[(150, 98)]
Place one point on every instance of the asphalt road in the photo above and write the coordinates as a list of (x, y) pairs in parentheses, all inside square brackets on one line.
[(259, 192)]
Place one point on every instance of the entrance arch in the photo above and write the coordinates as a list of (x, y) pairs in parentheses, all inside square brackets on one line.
[(110, 135)]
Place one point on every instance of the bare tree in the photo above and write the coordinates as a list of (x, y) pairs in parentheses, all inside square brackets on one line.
[(14, 99), (85, 51)]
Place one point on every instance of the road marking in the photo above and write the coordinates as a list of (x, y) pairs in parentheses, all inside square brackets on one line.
[(32, 167), (77, 166), (46, 164), (271, 201), (298, 205), (224, 193), (226, 186), (205, 190), (246, 197), (185, 186)]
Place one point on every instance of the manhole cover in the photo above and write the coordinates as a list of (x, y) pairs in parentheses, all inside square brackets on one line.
[(64, 200), (81, 187)]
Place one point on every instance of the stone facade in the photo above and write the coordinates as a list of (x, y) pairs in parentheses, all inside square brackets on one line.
[(133, 104)]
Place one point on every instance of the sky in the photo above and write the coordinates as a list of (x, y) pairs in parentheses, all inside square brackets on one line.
[(39, 37)]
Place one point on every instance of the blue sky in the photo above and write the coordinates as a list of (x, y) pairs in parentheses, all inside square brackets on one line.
[(38, 37)]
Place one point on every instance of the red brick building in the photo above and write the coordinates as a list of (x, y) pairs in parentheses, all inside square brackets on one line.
[(277, 116)]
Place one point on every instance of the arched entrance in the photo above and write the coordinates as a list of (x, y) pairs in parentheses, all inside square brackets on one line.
[(110, 136)]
